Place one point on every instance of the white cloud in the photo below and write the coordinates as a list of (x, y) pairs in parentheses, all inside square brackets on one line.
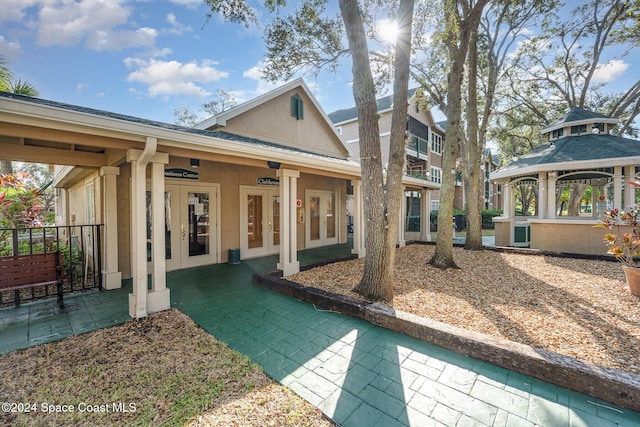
[(9, 49), (173, 77), (609, 71), (16, 10), (177, 27), (96, 23), (255, 73), (188, 3)]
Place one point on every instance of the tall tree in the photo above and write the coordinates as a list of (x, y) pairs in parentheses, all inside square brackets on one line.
[(8, 83), (461, 20), (503, 23), (307, 40), (566, 66)]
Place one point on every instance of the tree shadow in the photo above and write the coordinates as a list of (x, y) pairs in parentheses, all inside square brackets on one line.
[(524, 309)]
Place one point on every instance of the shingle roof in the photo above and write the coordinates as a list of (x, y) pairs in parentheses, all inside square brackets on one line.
[(137, 120), (346, 114), (578, 148)]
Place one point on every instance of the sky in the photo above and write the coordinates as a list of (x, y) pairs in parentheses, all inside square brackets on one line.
[(146, 58), (141, 58)]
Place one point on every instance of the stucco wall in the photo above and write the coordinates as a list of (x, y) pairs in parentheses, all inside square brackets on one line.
[(503, 233), (272, 121), (230, 178), (561, 236)]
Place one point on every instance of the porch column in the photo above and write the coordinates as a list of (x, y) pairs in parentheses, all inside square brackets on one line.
[(542, 195), (111, 277), (629, 190), (425, 215), (401, 242), (358, 220), (617, 188), (158, 299), (551, 195), (288, 221)]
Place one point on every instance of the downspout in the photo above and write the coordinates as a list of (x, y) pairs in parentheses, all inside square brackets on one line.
[(139, 247), (149, 151)]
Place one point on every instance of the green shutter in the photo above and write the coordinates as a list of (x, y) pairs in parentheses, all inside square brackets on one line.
[(297, 107)]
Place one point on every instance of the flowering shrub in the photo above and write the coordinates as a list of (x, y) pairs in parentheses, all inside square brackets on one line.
[(20, 206)]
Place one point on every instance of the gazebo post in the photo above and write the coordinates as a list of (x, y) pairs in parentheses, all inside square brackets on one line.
[(617, 187), (551, 194), (630, 190), (542, 195)]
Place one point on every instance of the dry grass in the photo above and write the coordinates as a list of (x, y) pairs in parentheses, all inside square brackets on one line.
[(579, 308), (164, 369)]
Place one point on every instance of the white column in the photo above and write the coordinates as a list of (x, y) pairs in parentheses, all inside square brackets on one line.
[(158, 298), (617, 188), (425, 215), (111, 277), (506, 200), (358, 220), (551, 195), (629, 190), (288, 226), (401, 242), (542, 195)]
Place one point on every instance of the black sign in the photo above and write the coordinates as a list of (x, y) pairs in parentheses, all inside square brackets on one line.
[(181, 173), (267, 180)]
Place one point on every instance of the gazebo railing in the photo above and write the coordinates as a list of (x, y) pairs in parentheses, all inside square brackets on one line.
[(81, 250)]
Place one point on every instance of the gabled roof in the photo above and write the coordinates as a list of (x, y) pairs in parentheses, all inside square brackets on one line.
[(222, 118), (77, 115), (348, 114), (582, 151), (579, 116)]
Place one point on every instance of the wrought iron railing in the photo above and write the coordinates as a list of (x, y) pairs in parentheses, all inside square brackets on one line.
[(81, 250)]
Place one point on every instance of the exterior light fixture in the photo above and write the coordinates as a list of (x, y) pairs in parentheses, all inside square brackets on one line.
[(194, 163), (273, 165)]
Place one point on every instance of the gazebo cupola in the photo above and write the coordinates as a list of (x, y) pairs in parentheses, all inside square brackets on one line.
[(554, 195)]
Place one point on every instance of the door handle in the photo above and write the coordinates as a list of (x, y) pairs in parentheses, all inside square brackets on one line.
[(183, 231), (270, 227)]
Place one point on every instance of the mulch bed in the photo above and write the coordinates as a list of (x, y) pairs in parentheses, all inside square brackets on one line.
[(575, 307)]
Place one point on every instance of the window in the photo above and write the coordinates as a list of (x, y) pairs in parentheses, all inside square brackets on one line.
[(297, 107), (435, 174), (599, 126), (578, 129), (435, 205), (436, 143), (558, 133)]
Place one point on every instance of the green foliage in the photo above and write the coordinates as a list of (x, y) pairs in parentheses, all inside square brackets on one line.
[(21, 205)]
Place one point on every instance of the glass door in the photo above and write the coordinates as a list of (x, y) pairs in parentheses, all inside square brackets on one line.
[(322, 219), (260, 221), (190, 226)]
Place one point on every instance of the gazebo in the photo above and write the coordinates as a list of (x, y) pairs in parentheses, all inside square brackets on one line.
[(555, 194)]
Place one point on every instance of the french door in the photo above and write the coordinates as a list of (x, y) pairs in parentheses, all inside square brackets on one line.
[(190, 226), (322, 219), (259, 221)]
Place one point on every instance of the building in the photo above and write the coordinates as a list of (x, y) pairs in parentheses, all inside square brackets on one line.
[(269, 176), (555, 194)]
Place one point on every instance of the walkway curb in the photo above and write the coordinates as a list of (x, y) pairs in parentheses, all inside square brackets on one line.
[(610, 385)]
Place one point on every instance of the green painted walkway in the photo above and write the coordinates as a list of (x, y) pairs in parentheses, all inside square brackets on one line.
[(358, 374)]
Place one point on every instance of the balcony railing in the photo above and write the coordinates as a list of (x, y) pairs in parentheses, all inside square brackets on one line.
[(81, 249)]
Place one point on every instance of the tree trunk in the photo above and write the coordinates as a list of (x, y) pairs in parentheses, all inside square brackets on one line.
[(382, 200), (474, 182), (6, 167)]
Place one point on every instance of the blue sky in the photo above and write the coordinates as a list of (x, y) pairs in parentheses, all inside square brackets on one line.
[(148, 57), (142, 58)]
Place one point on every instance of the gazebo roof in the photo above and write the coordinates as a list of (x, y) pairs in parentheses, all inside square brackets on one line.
[(577, 116), (587, 151)]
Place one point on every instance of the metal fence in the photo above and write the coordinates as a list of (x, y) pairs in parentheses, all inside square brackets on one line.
[(81, 250)]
